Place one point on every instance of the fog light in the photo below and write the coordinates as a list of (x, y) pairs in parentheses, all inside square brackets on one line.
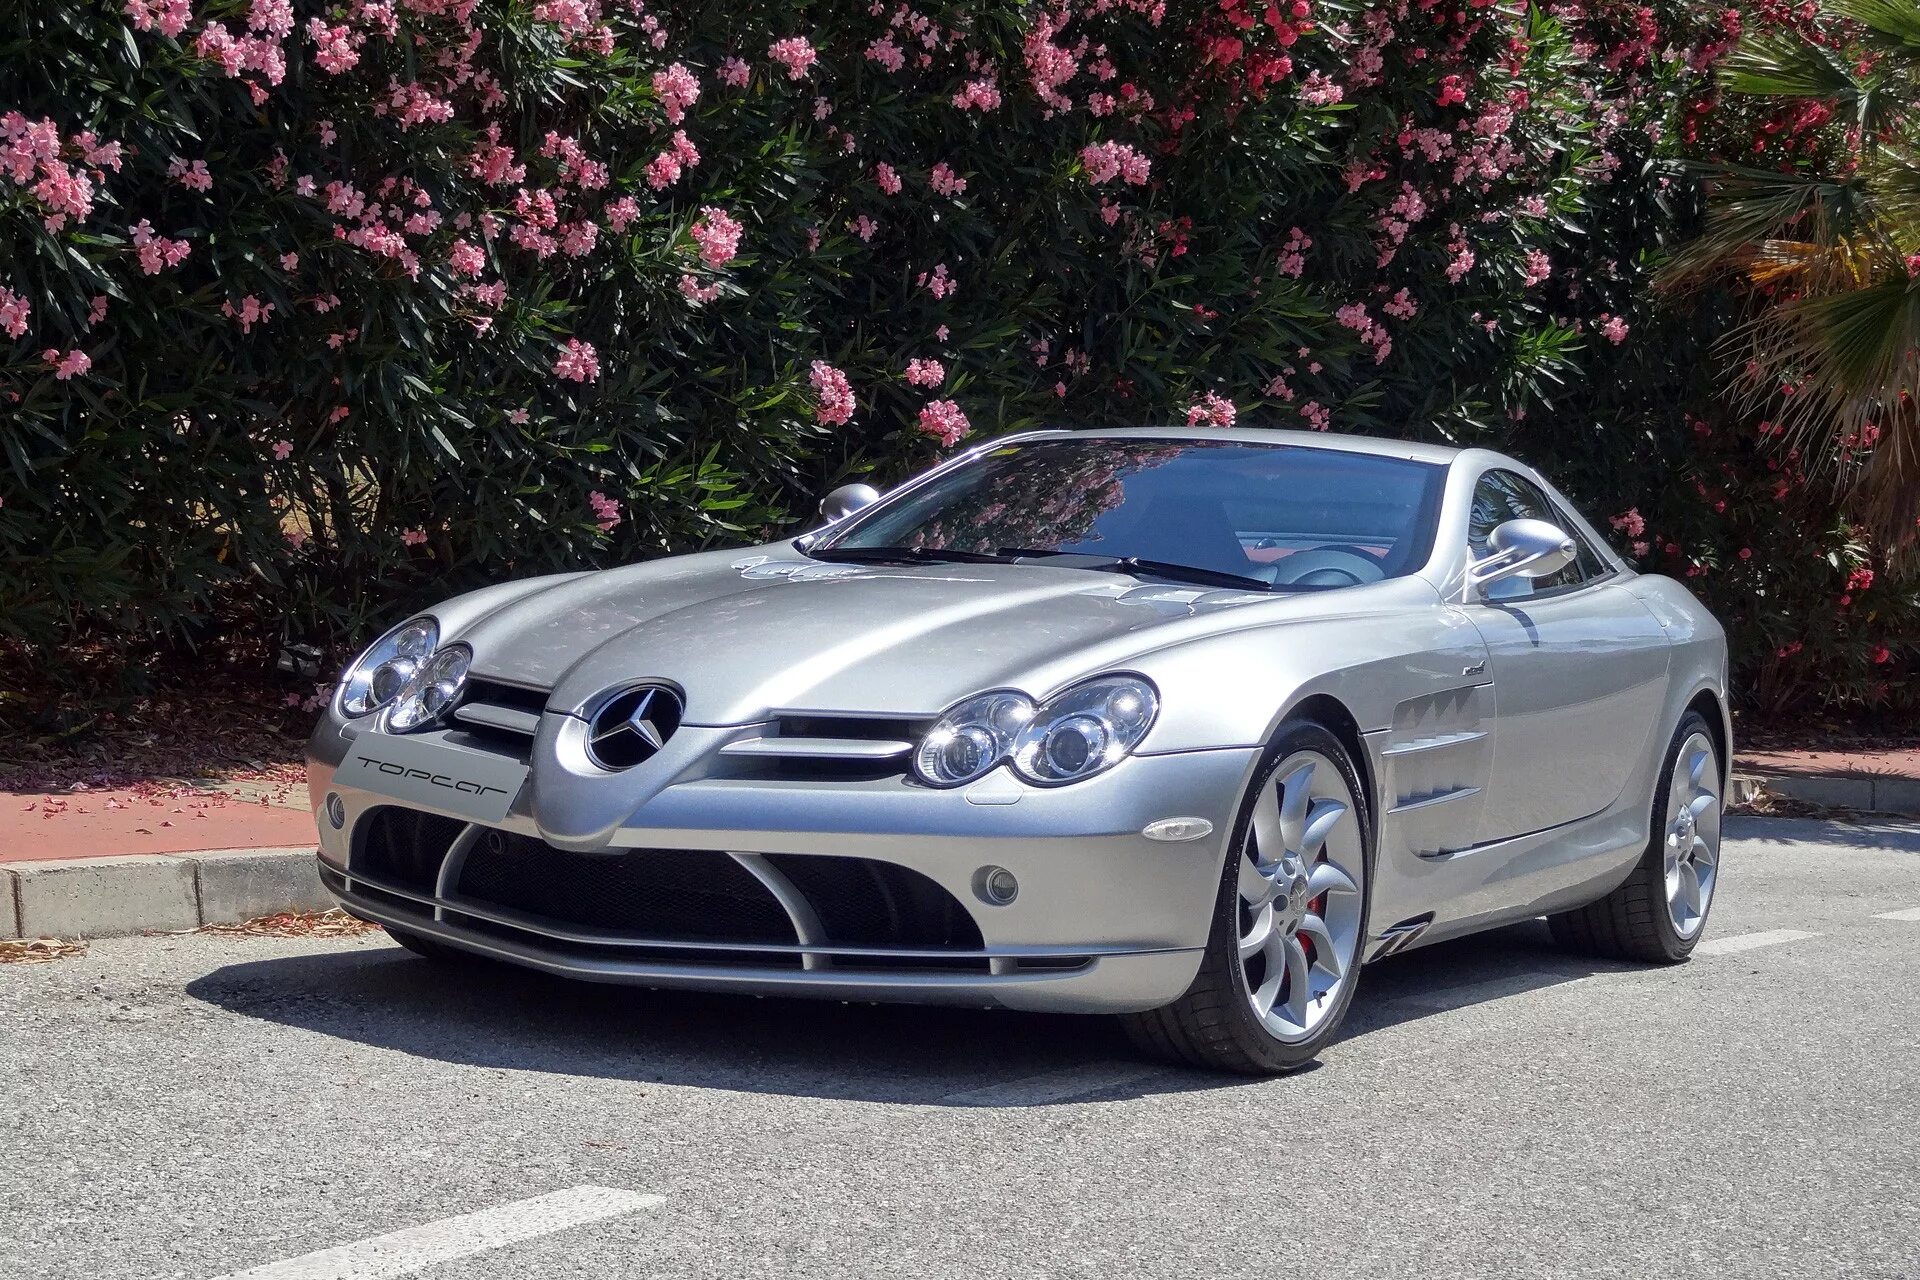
[(336, 810), (996, 885)]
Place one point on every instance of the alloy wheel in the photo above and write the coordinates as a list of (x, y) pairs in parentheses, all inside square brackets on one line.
[(1692, 844), (1301, 877)]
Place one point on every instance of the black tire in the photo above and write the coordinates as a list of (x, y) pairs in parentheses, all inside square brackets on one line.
[(1213, 1025), (1632, 923)]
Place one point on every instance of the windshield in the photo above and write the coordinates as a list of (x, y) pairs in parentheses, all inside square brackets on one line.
[(1285, 516)]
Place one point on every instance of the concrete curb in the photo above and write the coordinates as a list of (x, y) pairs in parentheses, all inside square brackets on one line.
[(1867, 795), (105, 897)]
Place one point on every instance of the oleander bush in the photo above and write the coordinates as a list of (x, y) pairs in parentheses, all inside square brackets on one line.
[(310, 312)]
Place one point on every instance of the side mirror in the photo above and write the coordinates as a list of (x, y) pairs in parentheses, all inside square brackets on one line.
[(846, 500), (1522, 548)]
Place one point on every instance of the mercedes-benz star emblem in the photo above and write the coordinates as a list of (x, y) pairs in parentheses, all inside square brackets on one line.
[(633, 726)]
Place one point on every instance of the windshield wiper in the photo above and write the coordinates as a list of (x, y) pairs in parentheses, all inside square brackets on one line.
[(906, 555), (1141, 566)]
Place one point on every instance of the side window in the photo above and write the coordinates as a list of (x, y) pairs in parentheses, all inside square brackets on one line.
[(1502, 496)]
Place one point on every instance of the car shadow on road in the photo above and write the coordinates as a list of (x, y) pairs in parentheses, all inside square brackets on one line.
[(1868, 831), (492, 1015)]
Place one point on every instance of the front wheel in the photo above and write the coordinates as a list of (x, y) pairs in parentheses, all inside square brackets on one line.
[(1658, 914), (1289, 922)]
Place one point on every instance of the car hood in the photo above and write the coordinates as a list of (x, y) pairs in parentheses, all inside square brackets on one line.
[(747, 634)]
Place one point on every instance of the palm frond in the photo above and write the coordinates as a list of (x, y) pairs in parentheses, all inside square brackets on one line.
[(1783, 64), (1891, 26)]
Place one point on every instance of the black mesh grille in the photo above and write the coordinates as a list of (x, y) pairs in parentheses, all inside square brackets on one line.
[(404, 847), (662, 893), (862, 902), (499, 694)]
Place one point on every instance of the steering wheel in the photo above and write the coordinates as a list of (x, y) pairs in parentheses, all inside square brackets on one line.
[(1337, 565)]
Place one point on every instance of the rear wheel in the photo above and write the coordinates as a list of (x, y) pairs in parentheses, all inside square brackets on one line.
[(1289, 922), (1660, 912)]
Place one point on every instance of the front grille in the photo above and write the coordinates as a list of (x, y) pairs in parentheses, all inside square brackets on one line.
[(679, 906), (865, 903), (810, 748), (495, 716), (689, 894), (404, 847)]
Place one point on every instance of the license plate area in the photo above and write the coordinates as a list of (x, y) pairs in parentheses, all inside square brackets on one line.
[(434, 775)]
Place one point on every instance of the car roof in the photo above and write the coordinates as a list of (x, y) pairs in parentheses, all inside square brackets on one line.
[(1441, 454)]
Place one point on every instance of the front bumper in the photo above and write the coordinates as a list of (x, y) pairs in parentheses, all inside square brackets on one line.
[(1105, 919)]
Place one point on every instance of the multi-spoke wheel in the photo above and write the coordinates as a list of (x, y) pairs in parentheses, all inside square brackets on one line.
[(1658, 913), (1291, 917)]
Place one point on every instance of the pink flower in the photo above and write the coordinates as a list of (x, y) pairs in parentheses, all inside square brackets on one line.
[(718, 236), (1317, 415), (282, 450), (1293, 258), (941, 334), (466, 258), (194, 177), (622, 212), (96, 310), (1402, 306), (1210, 410), (413, 537), (14, 311), (1613, 328), (1452, 91), (796, 53), (606, 512), (889, 180), (887, 53), (1539, 267), (170, 17), (333, 46), (1629, 522), (578, 363), (250, 312), (677, 89), (945, 182), (835, 392), (939, 283), (66, 366), (864, 227), (735, 72), (926, 373), (943, 420), (1105, 161), (981, 95), (693, 291)]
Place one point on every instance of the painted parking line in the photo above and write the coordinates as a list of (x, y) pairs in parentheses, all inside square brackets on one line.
[(1749, 941), (1056, 1086), (412, 1249), (1911, 913)]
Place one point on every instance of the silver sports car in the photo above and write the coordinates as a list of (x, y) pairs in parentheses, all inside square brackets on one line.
[(1182, 725)]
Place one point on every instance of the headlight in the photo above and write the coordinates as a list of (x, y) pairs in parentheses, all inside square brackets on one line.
[(432, 691), (972, 738), (1076, 734), (1084, 730), (378, 675)]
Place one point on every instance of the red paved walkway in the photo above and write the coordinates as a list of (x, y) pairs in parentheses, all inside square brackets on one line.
[(170, 817)]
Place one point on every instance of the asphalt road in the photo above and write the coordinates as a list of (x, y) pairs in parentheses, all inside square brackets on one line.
[(200, 1106)]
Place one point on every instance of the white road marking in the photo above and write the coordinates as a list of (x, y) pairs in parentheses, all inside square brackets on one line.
[(1056, 1086), (412, 1249), (1748, 941), (1911, 913)]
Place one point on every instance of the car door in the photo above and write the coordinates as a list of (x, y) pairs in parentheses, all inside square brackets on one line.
[(1578, 667)]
